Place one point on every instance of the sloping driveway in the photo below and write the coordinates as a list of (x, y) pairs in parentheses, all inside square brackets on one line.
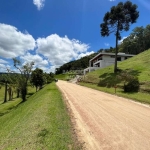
[(108, 122)]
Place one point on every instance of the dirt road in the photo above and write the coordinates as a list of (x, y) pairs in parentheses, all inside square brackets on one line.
[(108, 122)]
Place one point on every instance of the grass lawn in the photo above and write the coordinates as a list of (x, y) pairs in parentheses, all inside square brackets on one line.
[(65, 77), (61, 76), (40, 123)]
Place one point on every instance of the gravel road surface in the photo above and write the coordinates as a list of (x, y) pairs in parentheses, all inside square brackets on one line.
[(105, 121)]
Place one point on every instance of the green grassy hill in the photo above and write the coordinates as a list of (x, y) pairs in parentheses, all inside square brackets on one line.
[(140, 64), (40, 123)]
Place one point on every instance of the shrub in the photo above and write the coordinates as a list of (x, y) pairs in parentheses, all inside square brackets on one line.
[(132, 86)]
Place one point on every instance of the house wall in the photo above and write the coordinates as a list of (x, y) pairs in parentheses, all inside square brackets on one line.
[(103, 61), (122, 58), (107, 61)]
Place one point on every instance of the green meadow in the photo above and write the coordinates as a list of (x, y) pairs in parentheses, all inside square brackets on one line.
[(40, 123)]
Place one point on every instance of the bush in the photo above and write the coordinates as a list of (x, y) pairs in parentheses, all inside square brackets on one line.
[(132, 86)]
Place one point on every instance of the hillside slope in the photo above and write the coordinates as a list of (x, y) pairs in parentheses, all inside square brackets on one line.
[(139, 63), (38, 124)]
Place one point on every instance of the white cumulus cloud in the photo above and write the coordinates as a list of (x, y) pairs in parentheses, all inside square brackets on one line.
[(39, 4), (84, 54), (120, 41), (3, 67), (14, 43), (60, 50), (106, 44), (39, 61), (3, 61), (48, 53)]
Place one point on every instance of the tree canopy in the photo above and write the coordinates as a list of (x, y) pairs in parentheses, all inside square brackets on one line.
[(23, 77), (118, 19), (37, 78)]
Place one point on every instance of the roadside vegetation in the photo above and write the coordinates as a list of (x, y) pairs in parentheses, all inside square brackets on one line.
[(18, 83), (33, 114), (105, 80), (42, 122)]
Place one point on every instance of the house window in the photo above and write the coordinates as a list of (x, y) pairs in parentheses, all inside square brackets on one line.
[(100, 58), (112, 56)]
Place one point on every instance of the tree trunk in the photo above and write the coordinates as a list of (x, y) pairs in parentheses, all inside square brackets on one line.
[(23, 93), (12, 95), (9, 93), (116, 52), (5, 98), (18, 91)]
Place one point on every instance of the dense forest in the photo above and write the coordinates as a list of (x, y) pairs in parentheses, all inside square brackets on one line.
[(137, 42), (79, 64)]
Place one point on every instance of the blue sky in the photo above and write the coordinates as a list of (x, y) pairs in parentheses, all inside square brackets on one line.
[(53, 32)]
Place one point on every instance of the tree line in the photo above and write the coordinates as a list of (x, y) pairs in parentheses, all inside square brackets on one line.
[(19, 82), (79, 64), (137, 42)]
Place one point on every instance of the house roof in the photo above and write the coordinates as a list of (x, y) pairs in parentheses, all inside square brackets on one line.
[(112, 54)]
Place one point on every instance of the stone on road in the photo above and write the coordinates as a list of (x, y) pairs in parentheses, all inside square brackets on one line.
[(108, 122)]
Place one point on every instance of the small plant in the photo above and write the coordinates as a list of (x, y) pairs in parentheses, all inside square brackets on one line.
[(131, 83), (132, 86)]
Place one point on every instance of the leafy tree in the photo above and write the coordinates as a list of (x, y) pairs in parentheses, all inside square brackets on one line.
[(147, 36), (23, 77), (118, 19), (6, 79), (129, 45), (137, 42), (138, 36), (49, 77), (37, 78)]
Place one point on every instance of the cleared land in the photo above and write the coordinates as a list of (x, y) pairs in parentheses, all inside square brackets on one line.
[(108, 122)]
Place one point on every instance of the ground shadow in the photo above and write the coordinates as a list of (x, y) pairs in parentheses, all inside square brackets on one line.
[(29, 94), (108, 80), (111, 79), (14, 107), (9, 109)]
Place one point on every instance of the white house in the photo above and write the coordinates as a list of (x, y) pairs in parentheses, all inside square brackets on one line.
[(103, 59)]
